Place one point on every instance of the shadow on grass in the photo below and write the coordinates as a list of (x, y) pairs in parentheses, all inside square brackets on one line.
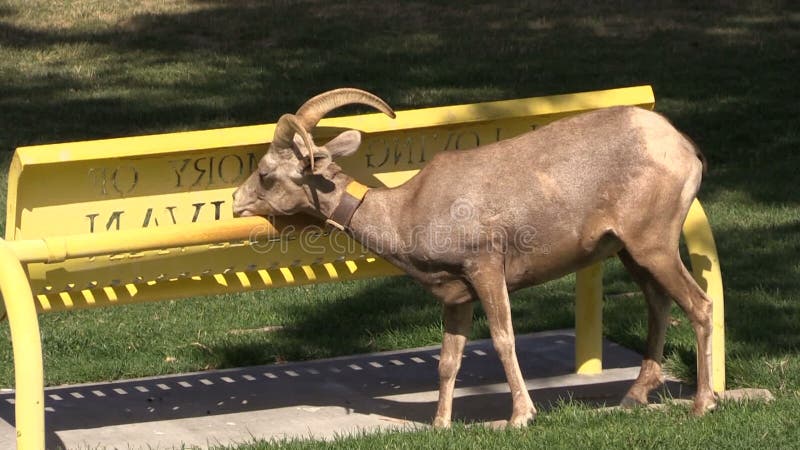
[(346, 325), (722, 71), (390, 313)]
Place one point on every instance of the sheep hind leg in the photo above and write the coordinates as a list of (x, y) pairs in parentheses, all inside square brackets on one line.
[(671, 277), (658, 305)]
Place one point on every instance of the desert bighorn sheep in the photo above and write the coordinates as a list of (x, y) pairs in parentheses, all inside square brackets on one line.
[(612, 181)]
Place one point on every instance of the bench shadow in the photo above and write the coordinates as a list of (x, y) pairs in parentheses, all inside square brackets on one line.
[(397, 387)]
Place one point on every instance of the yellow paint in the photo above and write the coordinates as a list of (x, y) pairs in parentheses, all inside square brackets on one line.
[(707, 273), (243, 279), (27, 348), (66, 299), (265, 278), (59, 248), (131, 288), (589, 320), (220, 278), (394, 179), (500, 110), (87, 294), (44, 304), (111, 294), (309, 272), (204, 283), (357, 190), (331, 270), (287, 274)]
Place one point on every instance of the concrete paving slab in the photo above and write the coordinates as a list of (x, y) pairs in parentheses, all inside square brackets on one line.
[(319, 399)]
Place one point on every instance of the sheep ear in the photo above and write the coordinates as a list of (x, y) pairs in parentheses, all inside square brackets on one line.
[(344, 144)]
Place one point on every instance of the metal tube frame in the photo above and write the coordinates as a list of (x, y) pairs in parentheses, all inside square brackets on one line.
[(26, 341)]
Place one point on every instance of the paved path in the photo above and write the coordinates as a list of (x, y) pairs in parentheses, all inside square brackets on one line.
[(317, 399)]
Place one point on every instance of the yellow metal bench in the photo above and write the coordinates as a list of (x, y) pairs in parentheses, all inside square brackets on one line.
[(147, 218)]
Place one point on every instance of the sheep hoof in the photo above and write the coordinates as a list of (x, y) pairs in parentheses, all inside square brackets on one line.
[(521, 420), (630, 402), (440, 423)]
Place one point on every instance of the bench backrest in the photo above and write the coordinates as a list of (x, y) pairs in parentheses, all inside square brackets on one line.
[(108, 185)]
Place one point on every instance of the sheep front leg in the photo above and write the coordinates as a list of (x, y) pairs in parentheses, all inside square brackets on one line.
[(488, 280), (457, 325)]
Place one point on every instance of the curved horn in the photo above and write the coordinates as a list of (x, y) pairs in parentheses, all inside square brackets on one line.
[(287, 126), (285, 129), (315, 109)]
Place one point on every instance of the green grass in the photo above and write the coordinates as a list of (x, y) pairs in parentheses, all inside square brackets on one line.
[(724, 71), (573, 426)]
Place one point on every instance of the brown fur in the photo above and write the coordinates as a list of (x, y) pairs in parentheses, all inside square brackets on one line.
[(518, 213)]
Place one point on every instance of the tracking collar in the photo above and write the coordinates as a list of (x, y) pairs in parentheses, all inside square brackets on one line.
[(351, 199)]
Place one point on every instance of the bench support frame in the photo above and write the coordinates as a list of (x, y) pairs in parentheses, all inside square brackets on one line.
[(26, 340)]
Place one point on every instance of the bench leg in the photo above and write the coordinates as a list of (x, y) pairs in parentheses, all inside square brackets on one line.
[(28, 372), (589, 320)]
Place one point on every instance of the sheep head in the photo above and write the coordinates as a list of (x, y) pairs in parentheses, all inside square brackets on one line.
[(294, 164)]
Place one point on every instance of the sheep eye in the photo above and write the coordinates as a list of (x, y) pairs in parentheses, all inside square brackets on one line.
[(265, 178)]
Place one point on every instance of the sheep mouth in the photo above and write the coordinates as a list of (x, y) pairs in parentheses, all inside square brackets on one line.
[(243, 213)]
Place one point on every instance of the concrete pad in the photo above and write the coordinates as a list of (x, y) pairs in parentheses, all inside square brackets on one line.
[(319, 399)]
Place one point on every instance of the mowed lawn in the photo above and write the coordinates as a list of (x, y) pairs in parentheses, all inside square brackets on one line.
[(725, 72)]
